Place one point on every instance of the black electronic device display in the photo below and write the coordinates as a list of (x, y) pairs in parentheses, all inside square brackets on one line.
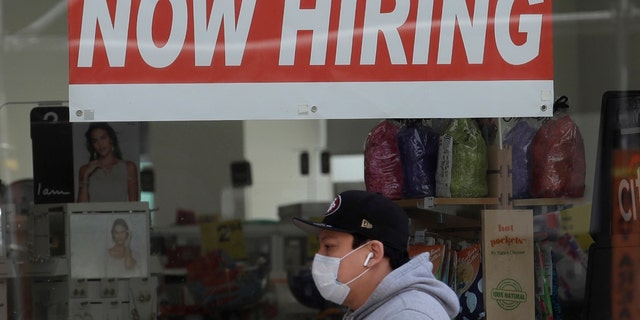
[(613, 272), (619, 137)]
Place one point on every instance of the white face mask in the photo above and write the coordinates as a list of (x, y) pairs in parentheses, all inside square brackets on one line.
[(325, 275)]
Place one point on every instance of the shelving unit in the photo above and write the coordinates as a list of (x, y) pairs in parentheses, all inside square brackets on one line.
[(433, 214), (273, 235), (500, 189), (281, 243), (431, 202), (547, 202)]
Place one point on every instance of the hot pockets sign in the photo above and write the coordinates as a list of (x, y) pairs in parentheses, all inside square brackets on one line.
[(262, 59)]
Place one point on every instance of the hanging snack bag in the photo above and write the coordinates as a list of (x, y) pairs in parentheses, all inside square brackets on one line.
[(382, 163), (469, 159), (418, 146), (519, 137), (558, 164)]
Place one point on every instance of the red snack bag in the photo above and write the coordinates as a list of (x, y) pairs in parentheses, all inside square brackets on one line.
[(558, 165), (382, 164)]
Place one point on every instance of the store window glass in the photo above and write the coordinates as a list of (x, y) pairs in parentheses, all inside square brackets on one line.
[(208, 229)]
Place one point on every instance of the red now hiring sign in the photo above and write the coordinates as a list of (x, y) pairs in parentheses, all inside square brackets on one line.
[(311, 59)]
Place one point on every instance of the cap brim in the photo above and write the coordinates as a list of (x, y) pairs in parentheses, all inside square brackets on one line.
[(315, 227)]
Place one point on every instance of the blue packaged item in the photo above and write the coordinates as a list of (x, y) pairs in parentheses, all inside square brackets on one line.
[(519, 138), (418, 146)]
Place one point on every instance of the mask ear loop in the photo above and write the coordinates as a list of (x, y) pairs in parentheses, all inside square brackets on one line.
[(354, 250), (358, 277), (366, 262)]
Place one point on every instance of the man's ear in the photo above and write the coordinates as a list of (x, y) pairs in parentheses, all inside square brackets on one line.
[(377, 252)]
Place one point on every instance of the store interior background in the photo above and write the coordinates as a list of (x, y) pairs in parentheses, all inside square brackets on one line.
[(595, 50)]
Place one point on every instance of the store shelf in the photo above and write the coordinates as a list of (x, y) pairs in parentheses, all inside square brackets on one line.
[(547, 202), (429, 202), (179, 272)]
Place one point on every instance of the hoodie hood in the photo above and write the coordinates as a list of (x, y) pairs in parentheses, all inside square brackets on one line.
[(410, 285)]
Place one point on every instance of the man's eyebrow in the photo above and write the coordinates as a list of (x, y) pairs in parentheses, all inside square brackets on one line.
[(323, 237)]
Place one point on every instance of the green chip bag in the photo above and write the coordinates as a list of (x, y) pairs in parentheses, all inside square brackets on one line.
[(469, 159)]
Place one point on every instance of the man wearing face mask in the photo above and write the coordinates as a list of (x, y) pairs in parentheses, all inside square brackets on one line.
[(362, 262)]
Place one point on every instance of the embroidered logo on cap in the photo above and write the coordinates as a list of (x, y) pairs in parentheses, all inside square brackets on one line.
[(366, 224), (335, 205)]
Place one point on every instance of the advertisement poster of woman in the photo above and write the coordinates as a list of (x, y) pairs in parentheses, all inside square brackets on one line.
[(122, 259), (109, 245), (106, 161)]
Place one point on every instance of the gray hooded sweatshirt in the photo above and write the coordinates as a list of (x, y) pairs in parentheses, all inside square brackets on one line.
[(409, 292)]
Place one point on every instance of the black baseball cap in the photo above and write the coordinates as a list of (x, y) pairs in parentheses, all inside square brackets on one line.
[(367, 214)]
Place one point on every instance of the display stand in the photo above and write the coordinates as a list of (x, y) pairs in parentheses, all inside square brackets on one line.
[(66, 276)]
